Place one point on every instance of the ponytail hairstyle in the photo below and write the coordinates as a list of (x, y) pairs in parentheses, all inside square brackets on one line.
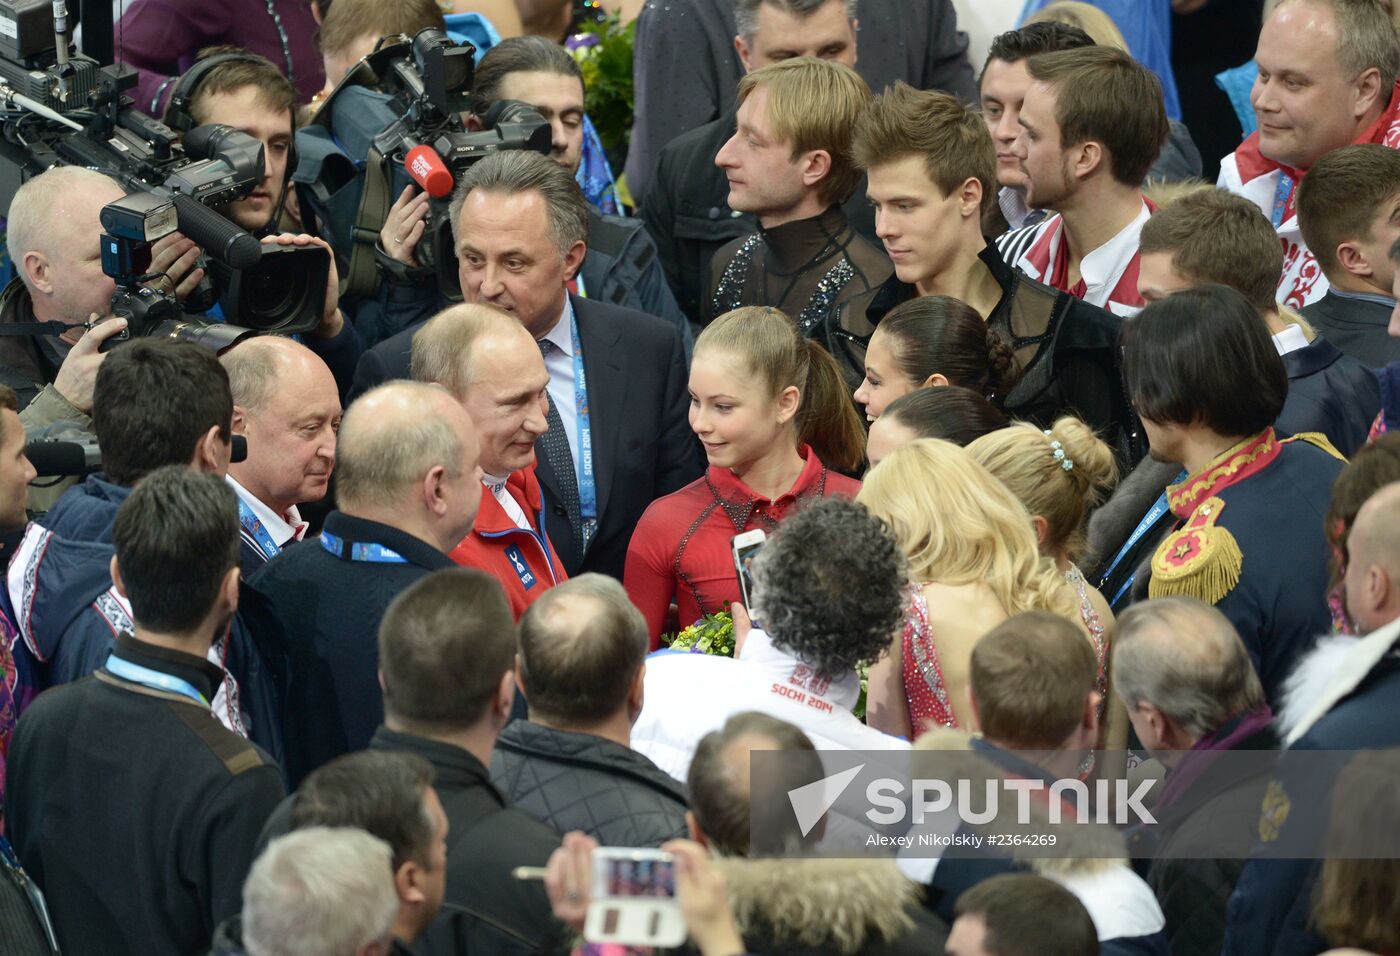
[(940, 335), (955, 414), (956, 525), (774, 353), (1061, 475)]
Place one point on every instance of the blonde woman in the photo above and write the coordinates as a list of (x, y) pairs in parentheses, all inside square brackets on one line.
[(973, 562), (1060, 475)]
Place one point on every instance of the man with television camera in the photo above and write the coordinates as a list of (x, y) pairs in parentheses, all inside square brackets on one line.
[(622, 265), (52, 235), (247, 92)]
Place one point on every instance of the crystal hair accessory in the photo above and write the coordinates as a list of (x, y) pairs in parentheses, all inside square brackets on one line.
[(1065, 461)]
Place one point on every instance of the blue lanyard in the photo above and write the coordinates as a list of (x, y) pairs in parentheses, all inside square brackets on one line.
[(372, 553), (587, 483), (1281, 194), (1149, 520), (252, 524), (155, 679)]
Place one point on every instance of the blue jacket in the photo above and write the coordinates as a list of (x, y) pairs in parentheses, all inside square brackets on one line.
[(313, 617), (1268, 914), (1331, 393), (87, 511), (1276, 515), (70, 617)]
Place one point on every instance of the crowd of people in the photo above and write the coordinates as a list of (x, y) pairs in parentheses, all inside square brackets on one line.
[(1058, 458)]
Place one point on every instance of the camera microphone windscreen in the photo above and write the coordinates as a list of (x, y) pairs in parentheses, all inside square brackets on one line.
[(50, 457), (429, 171), (217, 235)]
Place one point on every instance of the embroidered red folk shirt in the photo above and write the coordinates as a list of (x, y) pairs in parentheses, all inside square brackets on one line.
[(680, 550)]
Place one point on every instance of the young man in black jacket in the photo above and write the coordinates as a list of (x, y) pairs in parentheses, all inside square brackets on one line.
[(134, 809), (931, 168)]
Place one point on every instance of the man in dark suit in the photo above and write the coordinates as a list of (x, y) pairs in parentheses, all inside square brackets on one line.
[(618, 434)]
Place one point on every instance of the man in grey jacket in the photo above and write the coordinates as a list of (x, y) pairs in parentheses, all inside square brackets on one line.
[(571, 765)]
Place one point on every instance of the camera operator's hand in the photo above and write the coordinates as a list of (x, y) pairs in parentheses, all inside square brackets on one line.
[(78, 373), (175, 259), (332, 321), (405, 225), (704, 903)]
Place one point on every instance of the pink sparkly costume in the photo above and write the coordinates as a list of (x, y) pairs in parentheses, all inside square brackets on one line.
[(923, 678)]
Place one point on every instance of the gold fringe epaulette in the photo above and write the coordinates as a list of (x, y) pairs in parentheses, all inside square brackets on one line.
[(1319, 440), (1202, 560)]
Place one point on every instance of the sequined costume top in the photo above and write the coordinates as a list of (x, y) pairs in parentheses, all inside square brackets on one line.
[(805, 268), (923, 677)]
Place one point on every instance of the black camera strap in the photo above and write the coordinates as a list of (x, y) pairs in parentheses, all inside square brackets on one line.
[(361, 276), (34, 328)]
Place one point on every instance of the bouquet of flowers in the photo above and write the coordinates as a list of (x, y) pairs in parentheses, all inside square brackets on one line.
[(604, 54), (712, 634)]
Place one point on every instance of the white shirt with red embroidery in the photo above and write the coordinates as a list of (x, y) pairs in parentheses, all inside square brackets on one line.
[(1108, 274), (1302, 281), (1247, 172)]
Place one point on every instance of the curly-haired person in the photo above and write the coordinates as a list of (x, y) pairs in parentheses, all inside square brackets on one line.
[(828, 589)]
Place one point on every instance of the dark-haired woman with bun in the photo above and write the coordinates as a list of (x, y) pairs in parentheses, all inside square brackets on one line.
[(778, 428), (954, 414), (932, 341)]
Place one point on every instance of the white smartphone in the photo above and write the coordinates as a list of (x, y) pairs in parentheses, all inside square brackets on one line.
[(634, 899), (744, 547)]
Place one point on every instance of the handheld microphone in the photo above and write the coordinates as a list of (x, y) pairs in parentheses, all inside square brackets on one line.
[(429, 171)]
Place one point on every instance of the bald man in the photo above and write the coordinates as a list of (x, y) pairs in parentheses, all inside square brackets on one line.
[(286, 404), (580, 665), (490, 363), (54, 239), (1373, 562), (1192, 693), (408, 485), (1348, 692)]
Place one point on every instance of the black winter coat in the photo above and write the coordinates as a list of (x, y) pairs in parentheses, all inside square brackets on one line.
[(574, 781), (486, 908), (1193, 856)]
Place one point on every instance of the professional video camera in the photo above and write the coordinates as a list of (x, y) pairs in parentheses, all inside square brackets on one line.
[(133, 222), (397, 116), (62, 108)]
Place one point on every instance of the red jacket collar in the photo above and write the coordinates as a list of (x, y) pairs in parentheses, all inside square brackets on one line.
[(729, 486), (1386, 129), (1230, 467), (524, 487)]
